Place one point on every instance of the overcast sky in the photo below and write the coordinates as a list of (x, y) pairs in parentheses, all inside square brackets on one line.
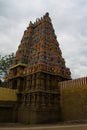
[(69, 18)]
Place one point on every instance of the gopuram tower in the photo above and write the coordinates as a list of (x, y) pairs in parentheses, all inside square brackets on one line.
[(36, 71)]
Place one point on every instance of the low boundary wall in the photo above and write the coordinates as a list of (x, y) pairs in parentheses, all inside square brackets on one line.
[(74, 99)]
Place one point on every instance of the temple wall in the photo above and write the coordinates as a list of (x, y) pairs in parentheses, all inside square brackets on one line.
[(31, 116), (74, 99), (7, 94), (73, 103), (8, 109)]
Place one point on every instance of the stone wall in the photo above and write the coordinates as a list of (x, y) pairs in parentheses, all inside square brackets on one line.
[(7, 94), (74, 99), (31, 116), (40, 99), (8, 105), (73, 105), (8, 111)]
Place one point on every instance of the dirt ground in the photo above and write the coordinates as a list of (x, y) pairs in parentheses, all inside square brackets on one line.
[(10, 126)]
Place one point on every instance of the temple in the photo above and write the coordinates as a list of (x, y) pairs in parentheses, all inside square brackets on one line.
[(37, 73)]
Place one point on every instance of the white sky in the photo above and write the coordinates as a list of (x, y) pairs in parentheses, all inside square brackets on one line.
[(69, 18)]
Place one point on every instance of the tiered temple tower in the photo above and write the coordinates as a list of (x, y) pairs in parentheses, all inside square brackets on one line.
[(36, 71)]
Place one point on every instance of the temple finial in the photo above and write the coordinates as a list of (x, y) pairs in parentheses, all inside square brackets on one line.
[(30, 24), (47, 14)]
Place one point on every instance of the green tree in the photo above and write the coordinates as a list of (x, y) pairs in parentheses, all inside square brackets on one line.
[(5, 63)]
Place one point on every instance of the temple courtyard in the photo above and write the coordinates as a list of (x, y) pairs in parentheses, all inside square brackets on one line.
[(43, 127)]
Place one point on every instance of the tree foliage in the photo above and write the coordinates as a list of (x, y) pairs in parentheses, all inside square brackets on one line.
[(5, 63)]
